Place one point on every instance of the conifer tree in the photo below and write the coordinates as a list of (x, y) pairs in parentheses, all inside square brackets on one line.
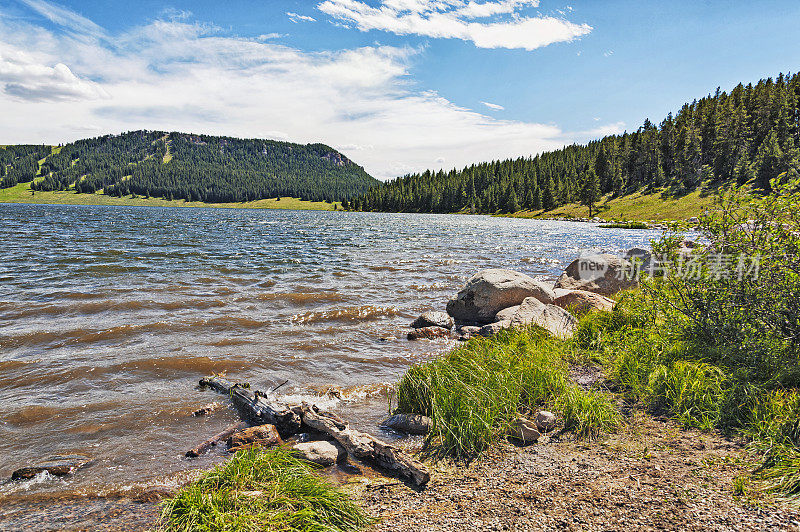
[(590, 189)]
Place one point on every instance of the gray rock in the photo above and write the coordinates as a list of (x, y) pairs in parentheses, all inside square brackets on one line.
[(494, 328), (583, 301), (560, 292), (506, 313), (524, 430), (641, 259), (603, 274), (490, 291), (409, 423), (466, 332), (433, 319), (545, 421), (469, 329), (553, 319), (429, 333), (324, 453), (58, 465)]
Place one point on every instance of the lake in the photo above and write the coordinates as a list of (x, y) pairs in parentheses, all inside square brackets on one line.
[(109, 316)]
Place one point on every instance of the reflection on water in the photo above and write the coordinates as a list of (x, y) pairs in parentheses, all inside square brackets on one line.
[(110, 315)]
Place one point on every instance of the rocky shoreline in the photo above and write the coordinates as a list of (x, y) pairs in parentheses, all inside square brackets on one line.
[(498, 299)]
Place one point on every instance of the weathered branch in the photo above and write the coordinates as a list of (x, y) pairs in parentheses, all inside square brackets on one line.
[(364, 446), (254, 407), (212, 441)]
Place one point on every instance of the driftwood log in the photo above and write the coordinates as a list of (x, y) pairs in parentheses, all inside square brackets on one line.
[(212, 441), (254, 406), (364, 446)]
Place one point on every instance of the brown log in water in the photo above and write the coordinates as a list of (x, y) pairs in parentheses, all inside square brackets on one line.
[(212, 441), (254, 407), (364, 446)]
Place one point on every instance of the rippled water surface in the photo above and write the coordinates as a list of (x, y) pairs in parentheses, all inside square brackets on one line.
[(110, 315)]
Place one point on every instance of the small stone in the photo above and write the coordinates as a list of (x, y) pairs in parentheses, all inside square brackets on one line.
[(429, 333), (545, 421), (324, 453), (261, 436), (433, 319), (524, 429), (409, 423), (494, 328)]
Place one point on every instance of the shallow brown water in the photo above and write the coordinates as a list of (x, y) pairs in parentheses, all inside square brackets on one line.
[(110, 315)]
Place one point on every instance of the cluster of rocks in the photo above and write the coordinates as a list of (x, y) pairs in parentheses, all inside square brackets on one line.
[(497, 299), (527, 430), (325, 451)]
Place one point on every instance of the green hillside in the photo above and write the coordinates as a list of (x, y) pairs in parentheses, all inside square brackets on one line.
[(194, 168), (748, 135)]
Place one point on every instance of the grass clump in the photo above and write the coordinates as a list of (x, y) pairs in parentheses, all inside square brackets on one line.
[(473, 393), (625, 225), (587, 412), (262, 490), (689, 391)]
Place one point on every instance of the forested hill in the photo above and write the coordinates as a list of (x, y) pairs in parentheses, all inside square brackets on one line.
[(186, 166), (749, 134)]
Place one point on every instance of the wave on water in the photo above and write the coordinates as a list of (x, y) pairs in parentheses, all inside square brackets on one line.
[(58, 339), (302, 298), (362, 313), (99, 307)]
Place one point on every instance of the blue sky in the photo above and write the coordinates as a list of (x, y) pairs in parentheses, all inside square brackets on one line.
[(397, 85)]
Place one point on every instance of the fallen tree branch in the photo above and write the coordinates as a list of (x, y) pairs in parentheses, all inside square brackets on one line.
[(254, 407), (364, 446), (212, 441)]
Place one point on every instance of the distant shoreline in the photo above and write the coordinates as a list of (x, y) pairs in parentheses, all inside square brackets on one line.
[(21, 194)]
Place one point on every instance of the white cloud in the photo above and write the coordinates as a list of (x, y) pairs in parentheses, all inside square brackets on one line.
[(269, 36), (608, 53), (459, 19), (180, 76), (65, 17), (294, 17), (493, 106), (616, 128), (23, 77)]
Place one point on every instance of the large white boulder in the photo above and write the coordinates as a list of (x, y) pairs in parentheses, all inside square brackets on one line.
[(490, 291), (600, 273), (553, 319)]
